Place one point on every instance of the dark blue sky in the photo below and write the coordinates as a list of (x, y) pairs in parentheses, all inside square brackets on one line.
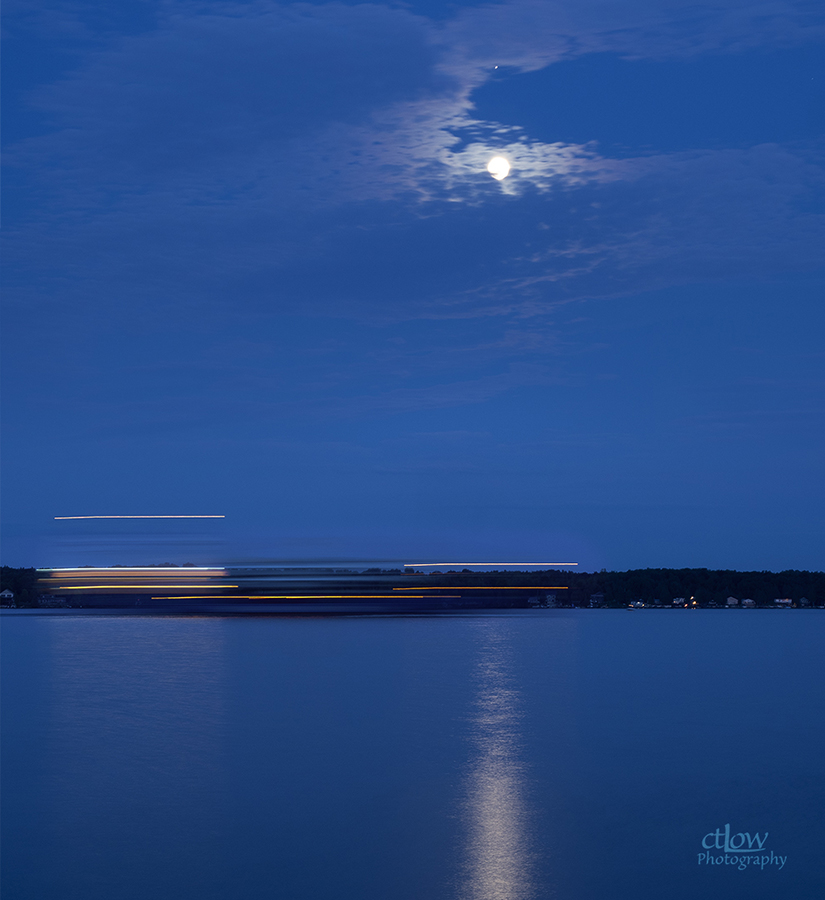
[(255, 266)]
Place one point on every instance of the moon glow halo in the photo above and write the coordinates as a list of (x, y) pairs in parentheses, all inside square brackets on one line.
[(498, 167)]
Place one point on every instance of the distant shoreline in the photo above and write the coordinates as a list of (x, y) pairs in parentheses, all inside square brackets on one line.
[(245, 591)]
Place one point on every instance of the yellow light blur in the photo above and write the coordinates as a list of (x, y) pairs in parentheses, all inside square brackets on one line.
[(309, 597)]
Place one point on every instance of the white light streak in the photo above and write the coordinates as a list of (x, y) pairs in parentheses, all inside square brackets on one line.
[(145, 587), (109, 570), (488, 565), (63, 518)]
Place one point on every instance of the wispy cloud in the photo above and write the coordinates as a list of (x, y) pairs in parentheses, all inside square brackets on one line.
[(229, 152)]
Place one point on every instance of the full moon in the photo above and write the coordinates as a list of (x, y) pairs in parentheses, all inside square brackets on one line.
[(498, 167)]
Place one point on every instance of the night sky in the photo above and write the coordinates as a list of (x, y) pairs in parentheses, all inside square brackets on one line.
[(255, 266)]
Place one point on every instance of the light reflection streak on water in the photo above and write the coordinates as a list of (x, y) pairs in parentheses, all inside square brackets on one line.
[(499, 860)]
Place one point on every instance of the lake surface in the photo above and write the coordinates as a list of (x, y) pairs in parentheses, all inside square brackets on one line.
[(539, 754)]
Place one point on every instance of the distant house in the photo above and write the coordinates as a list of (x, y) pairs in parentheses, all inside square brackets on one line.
[(542, 601), (804, 601), (732, 601), (596, 600), (679, 601), (6, 597), (748, 602), (785, 601)]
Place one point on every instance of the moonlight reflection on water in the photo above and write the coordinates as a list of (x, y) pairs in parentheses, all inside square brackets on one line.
[(499, 860)]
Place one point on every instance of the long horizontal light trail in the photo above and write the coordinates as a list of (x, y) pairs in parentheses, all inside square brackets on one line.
[(149, 570), (488, 565), (308, 597), (63, 518), (144, 587), (466, 588)]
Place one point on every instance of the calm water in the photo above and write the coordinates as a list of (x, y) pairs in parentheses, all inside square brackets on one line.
[(545, 754)]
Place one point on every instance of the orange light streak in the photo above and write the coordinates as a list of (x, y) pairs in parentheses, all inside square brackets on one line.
[(309, 597)]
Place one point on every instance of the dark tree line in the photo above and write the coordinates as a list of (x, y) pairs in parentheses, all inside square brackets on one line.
[(22, 583), (707, 586)]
